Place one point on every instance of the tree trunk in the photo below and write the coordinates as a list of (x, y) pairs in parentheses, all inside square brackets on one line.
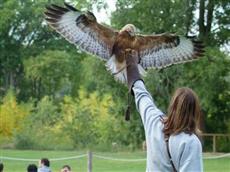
[(201, 19), (209, 16)]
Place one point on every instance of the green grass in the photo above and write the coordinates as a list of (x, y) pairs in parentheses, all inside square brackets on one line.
[(217, 165), (99, 165)]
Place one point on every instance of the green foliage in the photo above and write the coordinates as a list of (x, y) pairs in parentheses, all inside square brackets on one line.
[(38, 128), (66, 99), (55, 72), (76, 123), (152, 16), (87, 120)]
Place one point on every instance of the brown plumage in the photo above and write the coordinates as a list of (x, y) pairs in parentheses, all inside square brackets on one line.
[(155, 51)]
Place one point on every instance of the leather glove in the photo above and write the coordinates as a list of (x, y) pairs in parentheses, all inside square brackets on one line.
[(133, 74)]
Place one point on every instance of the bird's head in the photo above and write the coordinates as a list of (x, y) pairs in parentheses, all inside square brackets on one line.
[(130, 28)]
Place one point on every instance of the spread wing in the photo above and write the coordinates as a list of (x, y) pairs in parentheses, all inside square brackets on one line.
[(159, 51), (81, 29)]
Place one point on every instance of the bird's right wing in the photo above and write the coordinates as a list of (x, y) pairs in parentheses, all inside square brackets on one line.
[(82, 30)]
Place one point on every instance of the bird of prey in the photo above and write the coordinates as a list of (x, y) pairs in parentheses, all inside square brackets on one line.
[(154, 51)]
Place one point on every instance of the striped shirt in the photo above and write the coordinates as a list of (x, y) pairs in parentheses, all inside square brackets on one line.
[(185, 149)]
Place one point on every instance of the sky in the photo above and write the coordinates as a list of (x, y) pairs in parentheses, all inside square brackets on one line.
[(104, 15)]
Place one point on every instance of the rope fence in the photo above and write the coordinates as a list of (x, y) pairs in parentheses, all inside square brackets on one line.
[(90, 156), (51, 159), (117, 159), (95, 155), (217, 156)]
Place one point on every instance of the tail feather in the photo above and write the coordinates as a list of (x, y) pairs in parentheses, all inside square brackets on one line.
[(121, 75)]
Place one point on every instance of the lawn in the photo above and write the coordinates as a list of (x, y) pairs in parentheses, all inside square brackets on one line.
[(99, 165)]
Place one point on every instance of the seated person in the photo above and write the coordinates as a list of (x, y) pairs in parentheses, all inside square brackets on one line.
[(44, 165), (32, 168), (66, 168)]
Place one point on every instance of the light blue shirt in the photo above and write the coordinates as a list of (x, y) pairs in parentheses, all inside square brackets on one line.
[(44, 169), (185, 149)]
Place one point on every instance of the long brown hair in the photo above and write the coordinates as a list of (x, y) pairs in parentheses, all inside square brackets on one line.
[(184, 113)]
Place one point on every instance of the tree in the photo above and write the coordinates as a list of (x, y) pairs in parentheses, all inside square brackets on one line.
[(213, 21), (12, 114), (53, 73), (87, 120), (23, 35)]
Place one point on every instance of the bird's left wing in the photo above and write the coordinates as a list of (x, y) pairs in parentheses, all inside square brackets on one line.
[(162, 50), (81, 29)]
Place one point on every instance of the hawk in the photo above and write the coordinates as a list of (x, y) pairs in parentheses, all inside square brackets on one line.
[(154, 51)]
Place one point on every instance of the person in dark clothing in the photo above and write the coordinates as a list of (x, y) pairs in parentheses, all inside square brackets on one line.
[(32, 168), (1, 167)]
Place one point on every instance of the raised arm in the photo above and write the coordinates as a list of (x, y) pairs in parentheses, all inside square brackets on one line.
[(145, 104), (143, 99)]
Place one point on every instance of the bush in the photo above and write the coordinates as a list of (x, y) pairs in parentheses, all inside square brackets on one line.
[(23, 141), (223, 144)]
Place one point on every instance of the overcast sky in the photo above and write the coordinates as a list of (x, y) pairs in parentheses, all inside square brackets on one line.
[(104, 15)]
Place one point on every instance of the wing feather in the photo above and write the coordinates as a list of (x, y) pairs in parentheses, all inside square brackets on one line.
[(159, 51), (81, 29)]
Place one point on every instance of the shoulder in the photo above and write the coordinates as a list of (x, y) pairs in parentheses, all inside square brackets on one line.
[(185, 147), (189, 144), (44, 169), (186, 152), (186, 137), (187, 141)]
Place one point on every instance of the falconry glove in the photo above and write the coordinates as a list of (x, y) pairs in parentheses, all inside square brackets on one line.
[(133, 74), (132, 59)]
